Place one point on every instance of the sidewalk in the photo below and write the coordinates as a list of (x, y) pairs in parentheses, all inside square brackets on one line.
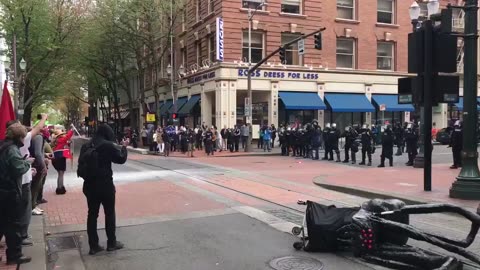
[(403, 183)]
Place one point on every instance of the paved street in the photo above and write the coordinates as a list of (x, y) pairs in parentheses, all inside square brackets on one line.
[(225, 212)]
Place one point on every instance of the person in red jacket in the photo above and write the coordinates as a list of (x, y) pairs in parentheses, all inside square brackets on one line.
[(61, 151)]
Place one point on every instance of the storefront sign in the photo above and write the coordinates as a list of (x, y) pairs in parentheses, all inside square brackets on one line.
[(219, 40), (202, 77), (279, 74), (150, 117)]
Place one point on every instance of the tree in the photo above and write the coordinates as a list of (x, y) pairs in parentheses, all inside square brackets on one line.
[(46, 31)]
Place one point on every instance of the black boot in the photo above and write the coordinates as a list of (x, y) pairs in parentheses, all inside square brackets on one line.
[(369, 163), (345, 161), (381, 165), (338, 158), (118, 245), (362, 163)]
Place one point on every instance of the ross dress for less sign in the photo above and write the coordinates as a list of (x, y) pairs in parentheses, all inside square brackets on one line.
[(219, 40)]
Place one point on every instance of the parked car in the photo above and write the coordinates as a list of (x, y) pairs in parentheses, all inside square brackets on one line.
[(443, 135)]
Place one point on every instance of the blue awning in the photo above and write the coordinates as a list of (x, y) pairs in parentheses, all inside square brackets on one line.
[(348, 103), (165, 107), (180, 102), (302, 101), (391, 103), (459, 105), (187, 108)]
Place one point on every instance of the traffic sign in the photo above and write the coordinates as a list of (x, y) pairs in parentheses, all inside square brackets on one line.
[(301, 47), (247, 110), (150, 117)]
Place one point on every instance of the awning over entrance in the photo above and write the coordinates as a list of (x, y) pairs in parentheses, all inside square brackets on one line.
[(165, 107), (349, 103), (459, 105), (302, 101), (180, 103), (391, 103), (187, 108)]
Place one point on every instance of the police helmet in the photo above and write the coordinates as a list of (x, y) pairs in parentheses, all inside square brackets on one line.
[(289, 129), (365, 126), (409, 125), (334, 125), (327, 125), (458, 123), (347, 128)]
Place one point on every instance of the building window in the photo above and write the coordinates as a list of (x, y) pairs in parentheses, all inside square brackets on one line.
[(385, 55), (345, 53), (291, 6), (198, 45), (211, 6), (184, 19), (346, 9), (252, 4), (184, 57), (257, 46), (291, 55), (385, 11), (198, 9), (212, 48)]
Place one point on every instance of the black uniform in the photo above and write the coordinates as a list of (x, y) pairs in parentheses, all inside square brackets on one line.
[(101, 190), (456, 142), (399, 134), (326, 143), (307, 142), (387, 147), (411, 139), (291, 141), (316, 141), (350, 145), (236, 138), (209, 142), (282, 137), (298, 147), (366, 139), (274, 135), (333, 137)]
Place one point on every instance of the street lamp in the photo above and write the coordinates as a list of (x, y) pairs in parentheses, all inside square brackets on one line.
[(23, 65), (467, 184), (249, 117), (414, 11), (433, 7)]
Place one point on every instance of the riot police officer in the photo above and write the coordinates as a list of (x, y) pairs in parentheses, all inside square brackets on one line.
[(387, 146), (333, 137), (351, 144), (316, 140), (282, 137), (306, 140), (399, 134), (456, 142), (411, 139), (366, 139), (326, 144), (290, 141)]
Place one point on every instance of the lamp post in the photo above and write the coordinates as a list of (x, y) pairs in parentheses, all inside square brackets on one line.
[(424, 158), (16, 81), (467, 184), (249, 117)]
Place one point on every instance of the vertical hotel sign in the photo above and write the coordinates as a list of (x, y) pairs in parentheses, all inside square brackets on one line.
[(220, 40)]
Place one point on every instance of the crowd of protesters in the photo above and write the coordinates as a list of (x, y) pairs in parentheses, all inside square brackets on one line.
[(25, 156)]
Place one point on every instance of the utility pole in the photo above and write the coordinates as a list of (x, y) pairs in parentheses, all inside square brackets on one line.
[(467, 185)]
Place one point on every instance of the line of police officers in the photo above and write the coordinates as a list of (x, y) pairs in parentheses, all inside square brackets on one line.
[(306, 142)]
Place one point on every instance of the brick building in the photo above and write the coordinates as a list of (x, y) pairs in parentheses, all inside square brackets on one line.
[(347, 82)]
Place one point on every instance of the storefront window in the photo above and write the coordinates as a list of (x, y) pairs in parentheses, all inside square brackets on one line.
[(260, 113)]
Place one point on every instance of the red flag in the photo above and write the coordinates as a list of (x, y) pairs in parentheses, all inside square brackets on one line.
[(6, 111)]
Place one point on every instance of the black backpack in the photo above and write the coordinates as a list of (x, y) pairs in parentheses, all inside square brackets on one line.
[(88, 161)]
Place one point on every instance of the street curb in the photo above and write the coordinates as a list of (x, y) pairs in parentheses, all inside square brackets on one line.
[(361, 192), (38, 251)]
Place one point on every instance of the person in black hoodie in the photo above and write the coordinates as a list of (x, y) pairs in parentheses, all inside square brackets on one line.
[(100, 190)]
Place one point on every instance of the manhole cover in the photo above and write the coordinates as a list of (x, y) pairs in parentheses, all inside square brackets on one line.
[(61, 243), (296, 263)]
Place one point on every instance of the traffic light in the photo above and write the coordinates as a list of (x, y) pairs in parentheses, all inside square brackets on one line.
[(318, 41), (282, 53), (174, 116)]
